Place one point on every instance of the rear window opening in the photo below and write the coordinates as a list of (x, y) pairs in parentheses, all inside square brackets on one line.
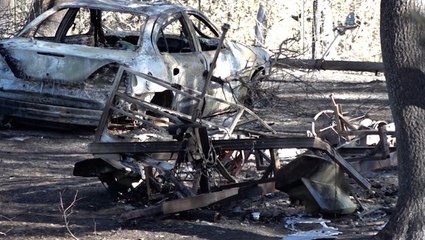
[(91, 27)]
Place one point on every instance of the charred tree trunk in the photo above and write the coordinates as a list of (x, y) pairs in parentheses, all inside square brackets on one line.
[(6, 21), (403, 50), (39, 6)]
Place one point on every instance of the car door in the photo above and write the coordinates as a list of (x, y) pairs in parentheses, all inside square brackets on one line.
[(208, 39), (184, 63)]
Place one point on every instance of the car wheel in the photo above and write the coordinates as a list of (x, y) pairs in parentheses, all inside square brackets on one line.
[(252, 94)]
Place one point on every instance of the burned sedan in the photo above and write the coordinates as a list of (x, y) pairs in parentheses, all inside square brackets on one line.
[(61, 66)]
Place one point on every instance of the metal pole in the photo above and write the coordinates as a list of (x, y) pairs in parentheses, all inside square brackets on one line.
[(313, 31), (303, 29), (198, 110)]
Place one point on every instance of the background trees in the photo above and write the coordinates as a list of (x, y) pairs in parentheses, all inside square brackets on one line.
[(39, 6)]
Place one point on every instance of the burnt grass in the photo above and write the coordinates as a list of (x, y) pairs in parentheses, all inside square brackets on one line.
[(32, 183)]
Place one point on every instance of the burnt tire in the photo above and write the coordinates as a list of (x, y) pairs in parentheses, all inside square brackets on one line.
[(253, 90)]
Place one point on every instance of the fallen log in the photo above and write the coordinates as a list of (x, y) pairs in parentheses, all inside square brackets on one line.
[(320, 64)]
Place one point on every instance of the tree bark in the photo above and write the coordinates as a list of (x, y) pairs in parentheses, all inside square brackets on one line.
[(4, 5), (38, 7), (403, 52)]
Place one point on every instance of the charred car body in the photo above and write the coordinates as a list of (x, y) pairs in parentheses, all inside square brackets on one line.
[(60, 67)]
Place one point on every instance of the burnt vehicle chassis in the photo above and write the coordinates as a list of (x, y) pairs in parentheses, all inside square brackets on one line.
[(60, 67)]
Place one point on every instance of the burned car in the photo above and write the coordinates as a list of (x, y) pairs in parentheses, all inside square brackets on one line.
[(61, 66)]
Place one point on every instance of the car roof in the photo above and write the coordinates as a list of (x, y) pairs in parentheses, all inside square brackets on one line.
[(145, 8)]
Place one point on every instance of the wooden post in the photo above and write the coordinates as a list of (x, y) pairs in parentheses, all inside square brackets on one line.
[(148, 175), (314, 30), (385, 148), (275, 159)]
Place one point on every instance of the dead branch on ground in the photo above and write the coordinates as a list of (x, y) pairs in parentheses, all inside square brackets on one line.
[(67, 211), (8, 219)]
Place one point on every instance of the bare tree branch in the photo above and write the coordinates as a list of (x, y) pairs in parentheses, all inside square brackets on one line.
[(67, 211)]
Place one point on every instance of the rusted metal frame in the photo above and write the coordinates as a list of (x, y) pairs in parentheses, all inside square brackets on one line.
[(135, 147), (162, 110), (267, 143), (103, 122), (236, 120), (365, 132), (223, 171), (245, 122), (264, 156), (359, 150), (359, 137), (349, 169), (182, 190), (268, 172), (382, 145), (160, 147), (259, 163), (238, 144), (273, 163), (265, 125), (345, 122), (230, 144), (138, 118), (337, 111), (294, 142), (240, 159), (157, 109), (227, 156), (244, 184), (197, 95), (198, 201), (342, 123), (188, 92), (202, 139), (180, 205), (264, 134)]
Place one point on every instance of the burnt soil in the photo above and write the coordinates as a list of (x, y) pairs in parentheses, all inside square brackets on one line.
[(32, 182)]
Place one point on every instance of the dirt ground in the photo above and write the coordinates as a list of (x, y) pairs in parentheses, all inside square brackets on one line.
[(33, 183)]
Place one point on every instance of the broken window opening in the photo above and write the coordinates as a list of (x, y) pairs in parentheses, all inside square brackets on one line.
[(47, 29), (208, 37), (174, 36), (92, 27)]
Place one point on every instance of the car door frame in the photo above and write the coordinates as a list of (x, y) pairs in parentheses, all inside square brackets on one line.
[(177, 70), (223, 91)]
